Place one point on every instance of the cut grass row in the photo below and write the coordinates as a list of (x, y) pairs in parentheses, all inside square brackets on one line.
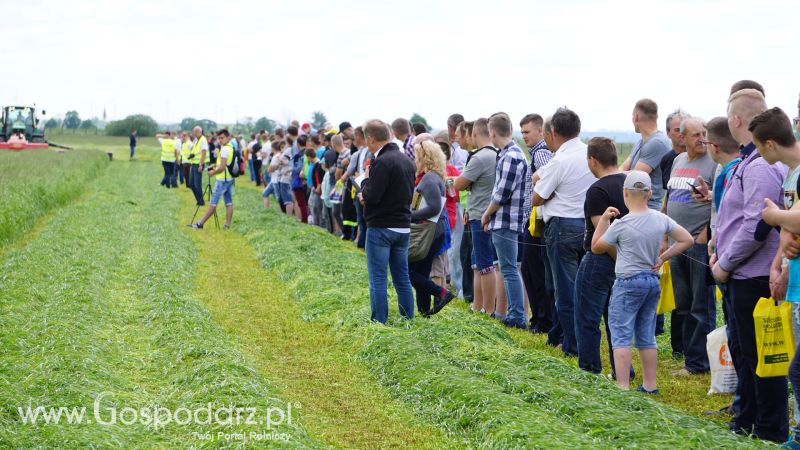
[(463, 371), (342, 403), (33, 183), (100, 302)]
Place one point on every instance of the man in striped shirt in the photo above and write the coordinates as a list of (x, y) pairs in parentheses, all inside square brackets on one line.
[(505, 214)]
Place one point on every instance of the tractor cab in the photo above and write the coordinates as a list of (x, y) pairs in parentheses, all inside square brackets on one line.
[(21, 118), (20, 128)]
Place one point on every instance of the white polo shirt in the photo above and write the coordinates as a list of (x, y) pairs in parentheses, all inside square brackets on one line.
[(565, 180)]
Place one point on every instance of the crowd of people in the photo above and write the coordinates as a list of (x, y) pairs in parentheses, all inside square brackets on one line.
[(556, 237)]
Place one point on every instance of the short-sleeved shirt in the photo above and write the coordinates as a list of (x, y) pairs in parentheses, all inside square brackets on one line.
[(666, 167), (651, 152), (681, 205), (790, 197), (226, 152), (564, 181), (286, 167), (605, 192), (480, 171), (637, 237)]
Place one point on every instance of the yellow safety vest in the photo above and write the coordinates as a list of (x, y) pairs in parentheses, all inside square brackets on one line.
[(185, 152), (167, 150), (225, 174), (197, 148)]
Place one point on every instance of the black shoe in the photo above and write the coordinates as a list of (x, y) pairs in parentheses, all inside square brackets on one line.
[(201, 204), (441, 302), (511, 324)]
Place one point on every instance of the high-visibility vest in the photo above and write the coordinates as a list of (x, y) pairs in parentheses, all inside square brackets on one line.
[(197, 149), (168, 150), (185, 151), (225, 175)]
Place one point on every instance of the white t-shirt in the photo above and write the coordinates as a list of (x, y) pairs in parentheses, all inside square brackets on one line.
[(565, 180)]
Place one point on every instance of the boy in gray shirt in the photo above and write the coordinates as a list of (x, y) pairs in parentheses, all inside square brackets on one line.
[(634, 299)]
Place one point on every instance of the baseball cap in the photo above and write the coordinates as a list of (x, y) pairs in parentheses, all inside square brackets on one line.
[(637, 181)]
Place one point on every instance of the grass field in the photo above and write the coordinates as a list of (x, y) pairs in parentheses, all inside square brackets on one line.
[(108, 292)]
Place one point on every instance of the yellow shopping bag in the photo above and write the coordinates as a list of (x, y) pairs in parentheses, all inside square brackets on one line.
[(666, 302), (774, 339), (536, 225)]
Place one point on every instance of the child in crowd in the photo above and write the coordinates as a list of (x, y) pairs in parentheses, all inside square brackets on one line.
[(634, 299)]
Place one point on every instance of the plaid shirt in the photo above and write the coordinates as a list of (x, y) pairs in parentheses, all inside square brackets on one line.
[(408, 146), (511, 178), (540, 156)]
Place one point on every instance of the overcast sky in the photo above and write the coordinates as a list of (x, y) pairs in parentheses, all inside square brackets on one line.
[(355, 60)]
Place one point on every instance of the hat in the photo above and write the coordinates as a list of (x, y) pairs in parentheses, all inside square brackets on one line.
[(637, 181), (345, 125)]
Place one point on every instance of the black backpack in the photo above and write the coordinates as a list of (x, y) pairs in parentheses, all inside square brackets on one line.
[(236, 163)]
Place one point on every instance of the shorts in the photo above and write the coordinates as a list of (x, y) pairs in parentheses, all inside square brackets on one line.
[(224, 189), (632, 310), (483, 252), (284, 193), (269, 190)]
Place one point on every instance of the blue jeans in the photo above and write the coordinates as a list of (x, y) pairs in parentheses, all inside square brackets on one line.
[(695, 311), (133, 150), (592, 291), (632, 310), (505, 242), (169, 171), (251, 170), (196, 183), (385, 247), (564, 240)]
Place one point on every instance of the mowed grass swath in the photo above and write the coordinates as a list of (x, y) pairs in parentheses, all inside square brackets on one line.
[(35, 182), (100, 304), (464, 371)]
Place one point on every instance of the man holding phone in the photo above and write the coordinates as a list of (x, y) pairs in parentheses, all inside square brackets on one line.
[(695, 311)]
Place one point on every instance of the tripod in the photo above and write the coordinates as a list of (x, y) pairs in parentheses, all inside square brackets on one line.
[(206, 193)]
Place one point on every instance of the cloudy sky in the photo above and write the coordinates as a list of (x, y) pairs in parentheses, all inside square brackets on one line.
[(360, 59)]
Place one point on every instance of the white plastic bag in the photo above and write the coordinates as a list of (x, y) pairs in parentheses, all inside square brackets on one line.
[(723, 374)]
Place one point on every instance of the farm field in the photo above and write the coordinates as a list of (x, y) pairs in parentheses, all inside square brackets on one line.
[(111, 303)]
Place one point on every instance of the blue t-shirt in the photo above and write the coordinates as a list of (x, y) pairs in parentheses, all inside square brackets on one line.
[(789, 199)]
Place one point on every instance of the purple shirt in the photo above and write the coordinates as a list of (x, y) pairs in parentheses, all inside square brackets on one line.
[(740, 211)]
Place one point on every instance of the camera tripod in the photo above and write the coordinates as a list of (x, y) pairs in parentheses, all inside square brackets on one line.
[(206, 195)]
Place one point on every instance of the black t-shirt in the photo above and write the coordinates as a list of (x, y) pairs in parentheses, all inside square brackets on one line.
[(133, 139), (666, 167), (605, 192)]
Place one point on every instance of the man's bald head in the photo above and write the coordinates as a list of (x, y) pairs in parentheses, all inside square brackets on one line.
[(197, 131), (743, 105)]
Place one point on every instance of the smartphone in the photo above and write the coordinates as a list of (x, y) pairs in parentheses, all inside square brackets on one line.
[(694, 188)]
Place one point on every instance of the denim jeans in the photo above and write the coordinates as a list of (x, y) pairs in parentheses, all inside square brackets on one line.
[(454, 252), (251, 170), (592, 292), (169, 172), (632, 311), (763, 400), (505, 242), (695, 311), (133, 150), (196, 183), (564, 240), (385, 247)]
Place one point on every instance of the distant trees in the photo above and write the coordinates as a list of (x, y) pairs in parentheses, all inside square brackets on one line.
[(87, 125), (416, 118), (318, 119), (52, 123), (72, 120), (264, 123), (145, 125), (190, 122)]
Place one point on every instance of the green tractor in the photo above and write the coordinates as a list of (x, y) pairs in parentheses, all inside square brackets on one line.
[(20, 129)]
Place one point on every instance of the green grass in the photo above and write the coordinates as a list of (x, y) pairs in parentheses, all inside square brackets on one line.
[(463, 371), (101, 301), (342, 404), (35, 182)]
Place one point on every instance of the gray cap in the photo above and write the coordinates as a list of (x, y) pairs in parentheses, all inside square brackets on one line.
[(637, 181)]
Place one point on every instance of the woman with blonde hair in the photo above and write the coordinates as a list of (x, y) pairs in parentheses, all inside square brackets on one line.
[(427, 205)]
